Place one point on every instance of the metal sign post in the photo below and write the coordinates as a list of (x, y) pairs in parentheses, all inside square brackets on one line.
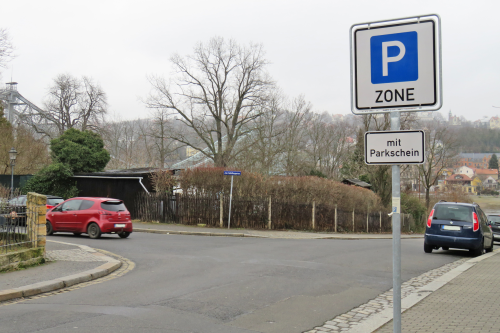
[(396, 67), (232, 174), (396, 235)]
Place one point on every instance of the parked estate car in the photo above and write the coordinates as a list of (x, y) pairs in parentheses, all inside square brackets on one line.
[(458, 225), (494, 221), (94, 216)]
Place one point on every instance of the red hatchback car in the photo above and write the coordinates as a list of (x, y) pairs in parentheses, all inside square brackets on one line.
[(94, 216)]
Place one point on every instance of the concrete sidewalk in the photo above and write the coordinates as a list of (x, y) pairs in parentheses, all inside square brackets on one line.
[(165, 228)]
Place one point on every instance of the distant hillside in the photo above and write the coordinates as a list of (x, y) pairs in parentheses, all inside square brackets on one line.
[(475, 140)]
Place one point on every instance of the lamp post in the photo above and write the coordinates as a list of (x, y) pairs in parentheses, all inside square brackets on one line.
[(12, 155)]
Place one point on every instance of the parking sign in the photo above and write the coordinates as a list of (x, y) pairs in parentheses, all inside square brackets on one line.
[(396, 65)]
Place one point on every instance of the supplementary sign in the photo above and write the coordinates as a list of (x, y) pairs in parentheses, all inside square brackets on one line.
[(396, 66), (232, 173), (395, 147)]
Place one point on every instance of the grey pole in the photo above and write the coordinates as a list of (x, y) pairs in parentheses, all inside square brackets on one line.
[(230, 200), (396, 237), (11, 179)]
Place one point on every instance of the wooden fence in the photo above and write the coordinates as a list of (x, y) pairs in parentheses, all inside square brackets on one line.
[(263, 213)]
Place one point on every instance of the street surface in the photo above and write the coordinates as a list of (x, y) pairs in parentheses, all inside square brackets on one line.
[(223, 284)]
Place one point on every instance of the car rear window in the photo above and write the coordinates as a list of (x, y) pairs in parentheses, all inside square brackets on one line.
[(453, 213), (494, 218), (113, 206), (54, 201)]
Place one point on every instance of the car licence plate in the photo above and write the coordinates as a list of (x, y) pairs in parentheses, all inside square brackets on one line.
[(451, 227), (121, 225)]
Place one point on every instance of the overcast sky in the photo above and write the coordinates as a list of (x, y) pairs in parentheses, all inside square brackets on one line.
[(118, 43)]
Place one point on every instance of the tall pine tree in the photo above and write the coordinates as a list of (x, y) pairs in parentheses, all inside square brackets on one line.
[(493, 163)]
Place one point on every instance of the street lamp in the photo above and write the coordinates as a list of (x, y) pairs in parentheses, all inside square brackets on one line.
[(12, 155)]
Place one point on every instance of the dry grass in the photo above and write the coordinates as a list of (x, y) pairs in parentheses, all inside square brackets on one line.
[(488, 202)]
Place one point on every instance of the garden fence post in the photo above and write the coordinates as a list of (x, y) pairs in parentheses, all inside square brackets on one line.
[(269, 215), (314, 215), (367, 218), (336, 218), (380, 216), (353, 220), (221, 212)]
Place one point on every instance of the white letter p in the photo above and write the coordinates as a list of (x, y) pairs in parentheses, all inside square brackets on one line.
[(386, 60)]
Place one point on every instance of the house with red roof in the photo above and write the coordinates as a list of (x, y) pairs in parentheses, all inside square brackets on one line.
[(485, 173), (458, 179), (462, 181), (495, 122)]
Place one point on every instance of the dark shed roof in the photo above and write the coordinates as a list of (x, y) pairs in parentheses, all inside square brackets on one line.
[(356, 182)]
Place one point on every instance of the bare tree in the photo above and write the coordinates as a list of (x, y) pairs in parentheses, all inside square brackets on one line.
[(6, 48), (266, 142), (164, 148), (71, 103), (217, 93), (33, 153), (441, 150), (294, 138), (328, 144)]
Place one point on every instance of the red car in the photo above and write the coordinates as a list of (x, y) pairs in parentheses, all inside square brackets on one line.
[(94, 216)]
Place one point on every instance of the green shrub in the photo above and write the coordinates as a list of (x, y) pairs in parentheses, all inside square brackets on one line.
[(81, 151), (54, 179), (413, 206)]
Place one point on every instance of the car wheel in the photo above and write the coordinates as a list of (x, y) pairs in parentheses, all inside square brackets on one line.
[(428, 248), (479, 251), (446, 248), (50, 231), (77, 233), (94, 231), (124, 234), (490, 249)]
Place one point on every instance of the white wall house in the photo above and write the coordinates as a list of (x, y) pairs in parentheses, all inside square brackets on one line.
[(465, 170)]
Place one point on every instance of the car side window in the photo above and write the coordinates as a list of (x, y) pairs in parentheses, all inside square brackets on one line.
[(58, 208), (482, 216), (86, 204), (71, 205)]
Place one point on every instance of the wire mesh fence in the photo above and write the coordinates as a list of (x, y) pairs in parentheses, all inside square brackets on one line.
[(262, 213)]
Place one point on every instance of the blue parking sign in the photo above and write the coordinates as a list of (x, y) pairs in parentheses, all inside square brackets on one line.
[(394, 57)]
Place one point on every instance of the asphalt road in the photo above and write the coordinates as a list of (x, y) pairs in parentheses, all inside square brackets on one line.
[(218, 284)]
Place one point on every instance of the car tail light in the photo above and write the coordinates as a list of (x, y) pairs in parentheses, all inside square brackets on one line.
[(49, 207), (475, 223), (101, 212), (429, 220)]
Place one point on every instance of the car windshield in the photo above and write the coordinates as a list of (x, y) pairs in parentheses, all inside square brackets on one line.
[(453, 213), (494, 218), (113, 206)]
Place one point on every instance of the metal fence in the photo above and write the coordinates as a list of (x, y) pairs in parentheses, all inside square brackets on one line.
[(15, 232)]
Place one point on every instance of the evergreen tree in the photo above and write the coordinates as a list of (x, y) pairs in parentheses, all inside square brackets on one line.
[(493, 164), (81, 151)]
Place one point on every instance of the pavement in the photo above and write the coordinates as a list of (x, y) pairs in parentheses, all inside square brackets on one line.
[(461, 296), (67, 265), (171, 229)]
